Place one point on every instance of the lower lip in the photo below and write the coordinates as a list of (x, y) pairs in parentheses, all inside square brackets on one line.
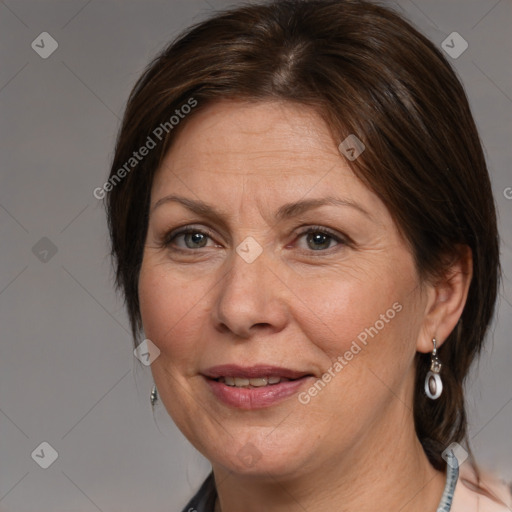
[(256, 398)]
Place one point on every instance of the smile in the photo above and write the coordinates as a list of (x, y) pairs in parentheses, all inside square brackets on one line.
[(258, 382), (254, 387)]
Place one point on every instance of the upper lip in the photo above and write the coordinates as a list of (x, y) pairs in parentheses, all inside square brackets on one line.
[(252, 372)]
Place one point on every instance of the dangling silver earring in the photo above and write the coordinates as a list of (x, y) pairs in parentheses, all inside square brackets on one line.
[(433, 382), (153, 396)]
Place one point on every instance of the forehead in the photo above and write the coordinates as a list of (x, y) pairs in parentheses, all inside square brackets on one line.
[(271, 150), (234, 132)]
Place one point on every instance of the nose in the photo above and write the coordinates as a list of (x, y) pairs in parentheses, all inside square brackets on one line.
[(250, 298)]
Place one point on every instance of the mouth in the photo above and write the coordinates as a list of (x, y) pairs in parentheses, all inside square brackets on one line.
[(256, 386), (258, 382)]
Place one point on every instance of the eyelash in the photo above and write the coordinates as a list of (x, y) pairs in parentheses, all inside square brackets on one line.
[(169, 238)]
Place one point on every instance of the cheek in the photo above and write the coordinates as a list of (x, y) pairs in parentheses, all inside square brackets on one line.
[(368, 320), (334, 312), (170, 310)]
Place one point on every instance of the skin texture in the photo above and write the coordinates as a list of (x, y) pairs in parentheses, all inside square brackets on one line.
[(300, 304)]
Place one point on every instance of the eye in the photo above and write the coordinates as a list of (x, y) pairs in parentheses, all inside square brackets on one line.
[(193, 238), (319, 238)]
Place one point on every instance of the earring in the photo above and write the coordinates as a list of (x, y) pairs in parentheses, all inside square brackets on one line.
[(153, 397), (433, 383)]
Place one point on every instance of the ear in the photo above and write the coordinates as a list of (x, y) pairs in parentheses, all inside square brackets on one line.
[(445, 299)]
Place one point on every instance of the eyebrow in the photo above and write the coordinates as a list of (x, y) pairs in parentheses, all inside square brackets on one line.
[(286, 211)]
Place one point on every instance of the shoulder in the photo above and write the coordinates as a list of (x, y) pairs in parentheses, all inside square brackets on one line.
[(492, 495)]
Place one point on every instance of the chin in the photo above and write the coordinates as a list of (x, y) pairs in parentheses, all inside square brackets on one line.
[(262, 459)]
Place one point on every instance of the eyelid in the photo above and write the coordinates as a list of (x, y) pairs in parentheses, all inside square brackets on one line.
[(322, 229)]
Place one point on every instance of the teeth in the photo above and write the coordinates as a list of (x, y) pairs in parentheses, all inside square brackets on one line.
[(229, 381), (258, 382)]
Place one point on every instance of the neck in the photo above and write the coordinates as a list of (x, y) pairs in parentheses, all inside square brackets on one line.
[(387, 469)]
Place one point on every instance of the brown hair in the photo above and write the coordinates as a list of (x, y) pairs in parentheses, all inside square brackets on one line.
[(367, 72)]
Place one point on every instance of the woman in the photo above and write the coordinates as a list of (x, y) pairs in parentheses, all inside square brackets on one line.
[(302, 223)]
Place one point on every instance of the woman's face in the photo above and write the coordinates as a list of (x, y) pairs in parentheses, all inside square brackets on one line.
[(248, 293)]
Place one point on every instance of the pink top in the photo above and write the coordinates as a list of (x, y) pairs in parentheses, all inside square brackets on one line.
[(467, 498)]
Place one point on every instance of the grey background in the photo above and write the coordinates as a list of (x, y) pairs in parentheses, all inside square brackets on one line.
[(67, 372)]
